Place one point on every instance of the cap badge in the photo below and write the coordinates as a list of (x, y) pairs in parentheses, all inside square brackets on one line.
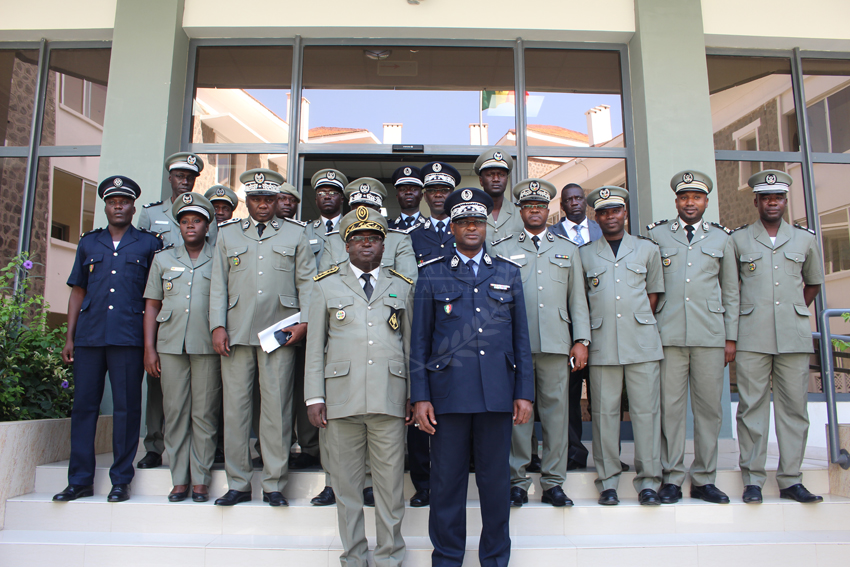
[(770, 179), (407, 171), (666, 262), (168, 286), (187, 198), (118, 182), (534, 185), (605, 193), (447, 308), (497, 155), (467, 194), (259, 178), (688, 178), (340, 315), (437, 167), (364, 188), (220, 191), (191, 160), (331, 175), (594, 282), (362, 213)]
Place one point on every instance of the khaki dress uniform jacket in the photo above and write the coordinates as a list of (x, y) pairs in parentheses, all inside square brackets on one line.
[(357, 360), (256, 282), (625, 344), (191, 369), (696, 316), (317, 236), (553, 286), (398, 253), (509, 221), (774, 338)]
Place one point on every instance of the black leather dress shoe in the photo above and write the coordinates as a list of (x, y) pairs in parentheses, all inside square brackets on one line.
[(709, 493), (608, 497), (752, 494), (74, 491), (556, 497), (800, 493), (421, 498), (200, 496), (670, 493), (275, 499), (518, 497), (648, 497), (368, 497), (534, 465), (179, 495), (233, 497), (119, 493), (300, 461), (151, 460), (324, 498), (575, 465), (624, 466)]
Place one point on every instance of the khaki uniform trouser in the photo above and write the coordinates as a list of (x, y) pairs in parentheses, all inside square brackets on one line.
[(551, 384), (325, 458), (191, 388), (701, 369), (275, 426), (790, 397), (643, 387), (349, 440)]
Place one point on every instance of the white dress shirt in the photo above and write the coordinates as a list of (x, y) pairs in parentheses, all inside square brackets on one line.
[(584, 229)]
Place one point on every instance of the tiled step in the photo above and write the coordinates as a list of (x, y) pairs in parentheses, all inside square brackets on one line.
[(153, 514), (93, 549)]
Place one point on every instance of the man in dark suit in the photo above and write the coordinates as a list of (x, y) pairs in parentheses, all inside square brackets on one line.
[(434, 238), (580, 229), (475, 388)]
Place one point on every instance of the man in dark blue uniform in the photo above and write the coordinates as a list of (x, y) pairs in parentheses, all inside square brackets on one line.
[(434, 238), (475, 387), (407, 181), (106, 305)]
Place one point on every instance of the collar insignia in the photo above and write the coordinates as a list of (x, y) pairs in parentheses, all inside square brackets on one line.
[(521, 236), (675, 226), (549, 236), (487, 260), (455, 262)]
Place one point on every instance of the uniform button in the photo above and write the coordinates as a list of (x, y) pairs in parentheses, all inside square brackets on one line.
[(115, 253), (371, 342), (260, 273), (187, 311), (775, 267), (777, 303), (616, 265), (112, 290), (618, 315), (260, 292), (703, 236), (774, 251), (539, 271), (618, 281), (689, 263), (190, 283), (478, 309), (687, 299), (482, 353), (369, 308), (113, 271), (541, 306), (370, 324), (475, 290), (260, 257), (688, 281), (191, 271), (110, 307), (188, 296), (539, 255), (540, 288), (777, 283), (618, 298), (334, 371), (442, 246), (480, 330), (370, 362), (690, 247)]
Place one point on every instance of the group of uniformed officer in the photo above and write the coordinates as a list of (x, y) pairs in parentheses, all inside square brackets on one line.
[(453, 324)]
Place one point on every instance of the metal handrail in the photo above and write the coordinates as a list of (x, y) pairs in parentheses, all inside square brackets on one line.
[(836, 454)]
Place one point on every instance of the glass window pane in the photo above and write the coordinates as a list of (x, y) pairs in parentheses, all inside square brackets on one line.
[(242, 95), (76, 97), (410, 95), (827, 84), (225, 169), (13, 173), (574, 98), (752, 97), (18, 78)]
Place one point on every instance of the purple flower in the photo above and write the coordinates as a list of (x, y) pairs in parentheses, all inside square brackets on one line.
[(65, 384), (28, 266)]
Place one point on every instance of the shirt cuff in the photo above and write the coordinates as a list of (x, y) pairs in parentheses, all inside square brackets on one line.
[(313, 401)]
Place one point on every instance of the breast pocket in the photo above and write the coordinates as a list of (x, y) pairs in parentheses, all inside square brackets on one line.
[(340, 311), (447, 304), (137, 266), (205, 284), (794, 263), (559, 269), (597, 279), (711, 260), (236, 258), (636, 275), (501, 303), (669, 261), (284, 258), (171, 283), (751, 265), (94, 266)]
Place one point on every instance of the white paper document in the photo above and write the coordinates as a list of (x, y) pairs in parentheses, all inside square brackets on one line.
[(267, 340)]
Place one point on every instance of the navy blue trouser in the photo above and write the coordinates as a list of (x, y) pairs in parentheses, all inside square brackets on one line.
[(126, 370), (419, 458), (491, 444)]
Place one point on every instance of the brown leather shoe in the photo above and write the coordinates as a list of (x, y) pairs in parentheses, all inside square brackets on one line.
[(200, 493)]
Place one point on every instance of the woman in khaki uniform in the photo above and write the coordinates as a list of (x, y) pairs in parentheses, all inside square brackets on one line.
[(178, 347)]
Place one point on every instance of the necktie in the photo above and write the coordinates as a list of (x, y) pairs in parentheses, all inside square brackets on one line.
[(367, 285), (260, 228), (440, 226), (330, 226), (690, 230), (578, 239), (536, 240), (472, 265), (408, 222)]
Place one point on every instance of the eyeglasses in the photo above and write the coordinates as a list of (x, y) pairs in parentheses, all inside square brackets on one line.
[(370, 239), (327, 193), (463, 223), (532, 206), (437, 190)]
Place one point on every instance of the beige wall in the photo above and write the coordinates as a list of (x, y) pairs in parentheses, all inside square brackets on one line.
[(57, 19)]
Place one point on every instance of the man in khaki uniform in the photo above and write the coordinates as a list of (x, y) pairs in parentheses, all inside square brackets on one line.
[(357, 386), (183, 169), (698, 320), (287, 201), (781, 274), (262, 273), (624, 281), (330, 193), (493, 168), (553, 285), (224, 200), (179, 351)]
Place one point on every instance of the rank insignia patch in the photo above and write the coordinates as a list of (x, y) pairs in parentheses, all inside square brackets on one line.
[(751, 266), (447, 308), (340, 315), (594, 282), (236, 261), (666, 262), (393, 320), (169, 286)]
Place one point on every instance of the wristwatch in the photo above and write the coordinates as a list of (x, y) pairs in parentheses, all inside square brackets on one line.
[(585, 342)]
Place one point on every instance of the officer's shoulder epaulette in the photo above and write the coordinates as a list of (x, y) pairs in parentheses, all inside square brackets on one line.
[(501, 239), (642, 237), (559, 235), (149, 205), (169, 247), (398, 275), (801, 227), (656, 223), (333, 269), (332, 232), (398, 230), (739, 228), (302, 224), (152, 233), (230, 221), (721, 227), (92, 231), (508, 260), (431, 261)]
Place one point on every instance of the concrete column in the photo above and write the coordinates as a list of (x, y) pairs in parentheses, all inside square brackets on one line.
[(672, 114), (144, 102)]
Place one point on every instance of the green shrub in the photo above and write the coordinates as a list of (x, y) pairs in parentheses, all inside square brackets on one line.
[(34, 382)]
